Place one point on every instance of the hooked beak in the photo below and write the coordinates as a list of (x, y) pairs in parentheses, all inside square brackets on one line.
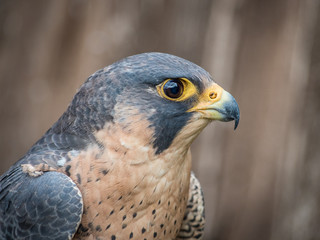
[(217, 104)]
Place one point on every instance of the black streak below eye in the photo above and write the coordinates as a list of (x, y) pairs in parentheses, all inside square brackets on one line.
[(173, 88)]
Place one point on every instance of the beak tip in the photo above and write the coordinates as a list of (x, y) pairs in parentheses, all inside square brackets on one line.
[(236, 123), (236, 113)]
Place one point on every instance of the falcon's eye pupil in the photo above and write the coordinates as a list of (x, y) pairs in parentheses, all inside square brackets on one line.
[(173, 88)]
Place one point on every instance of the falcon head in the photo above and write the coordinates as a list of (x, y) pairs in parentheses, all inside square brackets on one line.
[(171, 95)]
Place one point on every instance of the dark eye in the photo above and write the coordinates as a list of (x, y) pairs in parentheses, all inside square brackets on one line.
[(173, 88)]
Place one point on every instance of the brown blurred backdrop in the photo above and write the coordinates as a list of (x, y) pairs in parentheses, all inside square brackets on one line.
[(261, 181)]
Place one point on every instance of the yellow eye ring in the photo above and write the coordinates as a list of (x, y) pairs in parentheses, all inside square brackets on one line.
[(176, 89)]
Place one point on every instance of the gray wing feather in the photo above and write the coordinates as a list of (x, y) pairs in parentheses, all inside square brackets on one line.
[(44, 207)]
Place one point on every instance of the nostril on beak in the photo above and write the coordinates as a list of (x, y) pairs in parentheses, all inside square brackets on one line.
[(213, 95)]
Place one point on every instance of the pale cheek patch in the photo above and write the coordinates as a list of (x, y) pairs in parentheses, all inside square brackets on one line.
[(131, 143)]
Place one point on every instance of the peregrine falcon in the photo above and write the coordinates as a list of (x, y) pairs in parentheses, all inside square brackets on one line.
[(117, 163)]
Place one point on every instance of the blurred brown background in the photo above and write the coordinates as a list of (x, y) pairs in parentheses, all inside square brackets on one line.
[(261, 181)]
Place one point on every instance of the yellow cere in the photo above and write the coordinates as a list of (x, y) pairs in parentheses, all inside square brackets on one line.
[(189, 90), (210, 96)]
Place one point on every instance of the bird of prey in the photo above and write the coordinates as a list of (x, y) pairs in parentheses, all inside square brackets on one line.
[(117, 163)]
